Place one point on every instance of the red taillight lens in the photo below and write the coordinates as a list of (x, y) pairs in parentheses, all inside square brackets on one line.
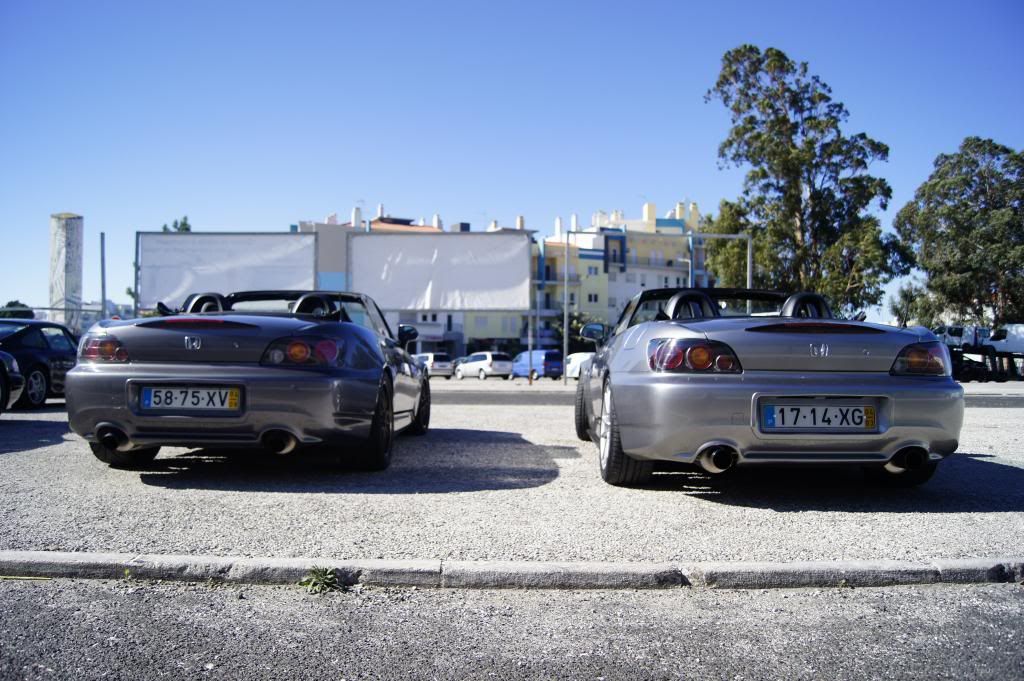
[(923, 359), (692, 356), (102, 349), (305, 351)]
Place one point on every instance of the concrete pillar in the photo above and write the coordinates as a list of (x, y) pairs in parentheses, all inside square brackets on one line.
[(66, 242)]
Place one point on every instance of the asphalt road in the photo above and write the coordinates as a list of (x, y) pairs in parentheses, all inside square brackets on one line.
[(125, 629), (499, 483)]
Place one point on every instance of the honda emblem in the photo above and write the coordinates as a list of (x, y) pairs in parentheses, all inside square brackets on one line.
[(193, 342)]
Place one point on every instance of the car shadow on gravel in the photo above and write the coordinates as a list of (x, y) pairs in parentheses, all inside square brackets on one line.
[(445, 460), (22, 433), (965, 483)]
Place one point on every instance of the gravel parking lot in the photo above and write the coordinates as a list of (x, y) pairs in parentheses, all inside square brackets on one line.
[(499, 481)]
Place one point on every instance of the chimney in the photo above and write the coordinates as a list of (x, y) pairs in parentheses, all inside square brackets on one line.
[(380, 210), (650, 212), (357, 218), (493, 227), (574, 222), (680, 211), (694, 213), (436, 221), (520, 222), (558, 227)]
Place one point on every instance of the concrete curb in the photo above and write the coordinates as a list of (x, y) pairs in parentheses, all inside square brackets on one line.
[(512, 574)]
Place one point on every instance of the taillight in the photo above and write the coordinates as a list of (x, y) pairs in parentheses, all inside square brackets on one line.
[(102, 349), (303, 351), (692, 356), (923, 359)]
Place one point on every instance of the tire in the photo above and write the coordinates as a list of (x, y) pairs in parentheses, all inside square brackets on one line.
[(507, 377), (909, 478), (135, 458), (448, 377), (582, 427), (421, 423), (376, 455), (37, 387), (616, 467), (458, 374), (5, 390), (534, 376), (482, 375)]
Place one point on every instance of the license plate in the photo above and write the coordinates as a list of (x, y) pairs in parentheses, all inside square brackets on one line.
[(817, 417), (191, 398)]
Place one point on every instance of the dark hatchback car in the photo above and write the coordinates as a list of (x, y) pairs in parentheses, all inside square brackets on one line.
[(45, 351)]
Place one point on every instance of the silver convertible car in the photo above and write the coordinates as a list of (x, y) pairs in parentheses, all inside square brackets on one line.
[(735, 377), (277, 369)]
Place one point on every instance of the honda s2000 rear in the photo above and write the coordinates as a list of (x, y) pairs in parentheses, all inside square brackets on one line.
[(274, 369), (731, 377)]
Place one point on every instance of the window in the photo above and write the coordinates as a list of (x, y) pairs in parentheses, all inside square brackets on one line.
[(423, 317), (679, 282), (612, 276), (591, 297), (643, 280), (433, 317), (613, 302), (666, 282), (57, 340), (630, 278), (33, 339), (572, 298), (481, 322), (592, 270)]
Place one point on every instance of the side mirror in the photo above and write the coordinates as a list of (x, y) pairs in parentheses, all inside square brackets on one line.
[(998, 335), (594, 332), (407, 333)]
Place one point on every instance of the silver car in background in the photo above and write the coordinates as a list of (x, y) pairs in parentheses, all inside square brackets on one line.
[(733, 377), (436, 364), (277, 369)]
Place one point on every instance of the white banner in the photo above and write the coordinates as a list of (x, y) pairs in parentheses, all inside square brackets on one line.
[(446, 271), (173, 265)]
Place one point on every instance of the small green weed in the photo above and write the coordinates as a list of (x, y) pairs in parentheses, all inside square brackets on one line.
[(320, 580)]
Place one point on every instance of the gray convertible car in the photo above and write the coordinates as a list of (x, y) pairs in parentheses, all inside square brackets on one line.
[(734, 377), (277, 369)]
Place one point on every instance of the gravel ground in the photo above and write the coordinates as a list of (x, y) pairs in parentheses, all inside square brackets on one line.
[(126, 629), (493, 483)]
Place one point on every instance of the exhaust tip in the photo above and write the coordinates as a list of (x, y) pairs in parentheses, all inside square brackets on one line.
[(910, 458), (112, 438), (279, 441), (717, 460)]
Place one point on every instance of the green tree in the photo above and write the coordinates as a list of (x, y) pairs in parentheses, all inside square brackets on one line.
[(179, 226), (913, 304), (23, 311), (807, 193), (577, 320), (965, 230)]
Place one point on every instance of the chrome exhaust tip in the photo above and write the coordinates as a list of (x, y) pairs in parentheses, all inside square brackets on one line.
[(113, 438), (908, 459), (279, 441), (717, 460)]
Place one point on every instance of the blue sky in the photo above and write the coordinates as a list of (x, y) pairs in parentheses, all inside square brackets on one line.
[(252, 116)]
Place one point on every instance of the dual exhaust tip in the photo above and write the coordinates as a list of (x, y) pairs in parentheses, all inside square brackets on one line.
[(277, 441)]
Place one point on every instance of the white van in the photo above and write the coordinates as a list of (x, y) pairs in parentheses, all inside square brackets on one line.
[(485, 364)]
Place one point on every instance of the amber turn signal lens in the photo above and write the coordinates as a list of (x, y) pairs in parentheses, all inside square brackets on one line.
[(698, 357), (297, 352)]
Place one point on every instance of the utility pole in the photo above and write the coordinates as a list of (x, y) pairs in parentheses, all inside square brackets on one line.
[(565, 307), (103, 276)]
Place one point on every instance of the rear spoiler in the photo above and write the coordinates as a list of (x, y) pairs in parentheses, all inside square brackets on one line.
[(816, 327)]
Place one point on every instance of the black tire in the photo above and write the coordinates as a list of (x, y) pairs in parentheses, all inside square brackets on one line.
[(37, 387), (376, 454), (616, 467), (448, 377), (534, 376), (421, 423), (582, 427), (508, 377), (482, 375), (135, 458), (879, 475), (458, 374), (5, 390)]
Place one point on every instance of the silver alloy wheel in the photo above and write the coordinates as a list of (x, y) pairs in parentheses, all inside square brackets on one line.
[(604, 426), (36, 387)]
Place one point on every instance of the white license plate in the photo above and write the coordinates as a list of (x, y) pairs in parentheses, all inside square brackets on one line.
[(817, 417), (191, 398)]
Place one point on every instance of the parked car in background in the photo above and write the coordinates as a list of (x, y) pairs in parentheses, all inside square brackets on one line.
[(12, 383), (574, 363), (436, 364), (45, 352), (484, 365), (281, 369), (546, 363), (702, 376), (1008, 338)]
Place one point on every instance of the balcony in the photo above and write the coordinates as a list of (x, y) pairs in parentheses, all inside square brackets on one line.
[(556, 278)]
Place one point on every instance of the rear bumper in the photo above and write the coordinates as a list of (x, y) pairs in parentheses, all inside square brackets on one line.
[(435, 371), (675, 418), (17, 384), (315, 408)]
